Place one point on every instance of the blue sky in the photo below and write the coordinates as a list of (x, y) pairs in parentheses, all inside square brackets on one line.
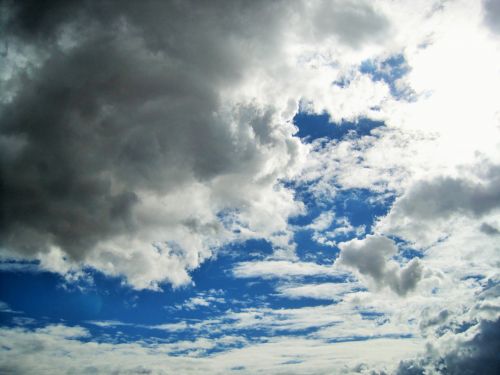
[(294, 187)]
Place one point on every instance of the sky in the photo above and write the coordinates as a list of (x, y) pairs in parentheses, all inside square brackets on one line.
[(250, 187)]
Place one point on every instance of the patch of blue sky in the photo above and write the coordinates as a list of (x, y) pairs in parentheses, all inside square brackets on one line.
[(247, 250), (359, 206), (473, 277), (406, 251), (390, 71), (314, 126), (309, 250), (371, 315), (43, 297)]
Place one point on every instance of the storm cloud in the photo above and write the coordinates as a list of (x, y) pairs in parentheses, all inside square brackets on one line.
[(138, 137), (120, 110), (475, 352)]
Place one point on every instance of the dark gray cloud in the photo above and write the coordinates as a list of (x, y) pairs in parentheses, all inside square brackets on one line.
[(432, 321), (119, 102), (489, 229), (475, 355), (492, 14), (445, 196), (371, 257)]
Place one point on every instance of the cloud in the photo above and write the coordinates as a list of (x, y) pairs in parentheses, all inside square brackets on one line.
[(489, 229), (5, 308), (424, 212), (59, 346), (128, 143), (370, 258), (138, 138), (354, 22), (327, 228), (473, 352), (383, 161), (492, 14), (323, 291), (282, 269), (201, 301), (444, 196)]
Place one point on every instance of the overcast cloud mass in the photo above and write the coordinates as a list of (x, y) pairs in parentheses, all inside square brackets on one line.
[(278, 187)]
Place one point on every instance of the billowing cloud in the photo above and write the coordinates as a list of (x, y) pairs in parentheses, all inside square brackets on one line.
[(127, 143), (370, 257), (473, 352), (140, 137), (424, 212), (444, 196)]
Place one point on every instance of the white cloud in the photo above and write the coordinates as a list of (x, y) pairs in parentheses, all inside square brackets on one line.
[(5, 308), (282, 269), (51, 347), (326, 291)]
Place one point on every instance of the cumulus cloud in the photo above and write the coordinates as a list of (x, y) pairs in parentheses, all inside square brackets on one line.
[(126, 141), (370, 257), (137, 138), (444, 196), (423, 213), (473, 352)]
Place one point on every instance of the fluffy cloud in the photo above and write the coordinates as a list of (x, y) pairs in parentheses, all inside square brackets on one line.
[(138, 137), (370, 258), (474, 351), (127, 143), (425, 212)]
